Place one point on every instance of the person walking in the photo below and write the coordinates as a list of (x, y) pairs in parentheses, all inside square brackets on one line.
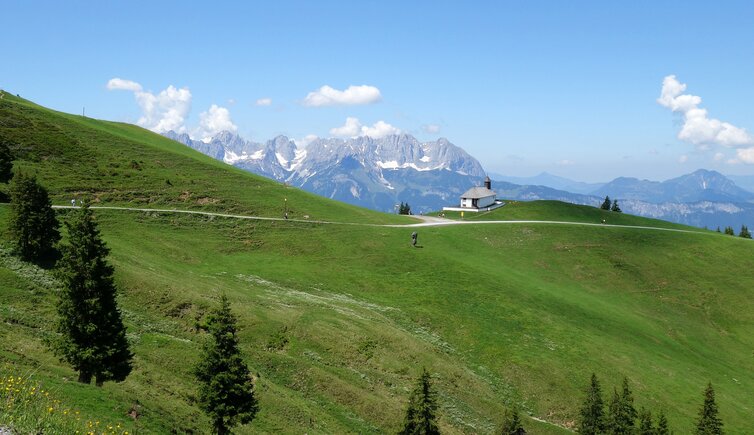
[(414, 237)]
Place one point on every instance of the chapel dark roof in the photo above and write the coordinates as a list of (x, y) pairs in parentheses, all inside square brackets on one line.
[(478, 192)]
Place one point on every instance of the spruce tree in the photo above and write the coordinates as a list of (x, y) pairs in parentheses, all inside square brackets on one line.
[(93, 337), (615, 207), (33, 224), (729, 231), (621, 412), (592, 414), (226, 388), (645, 423), (6, 162), (662, 425), (718, 229), (709, 422), (420, 416), (512, 423), (606, 203), (744, 232)]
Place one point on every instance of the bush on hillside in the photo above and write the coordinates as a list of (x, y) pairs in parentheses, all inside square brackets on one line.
[(33, 225), (420, 418), (226, 389), (512, 423), (92, 334), (709, 422), (6, 162), (592, 419)]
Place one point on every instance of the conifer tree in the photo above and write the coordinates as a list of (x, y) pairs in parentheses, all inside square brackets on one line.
[(709, 422), (226, 388), (33, 224), (662, 425), (420, 416), (615, 207), (6, 162), (606, 203), (93, 337), (645, 423), (729, 231), (592, 413), (621, 412), (744, 232), (512, 423), (718, 229)]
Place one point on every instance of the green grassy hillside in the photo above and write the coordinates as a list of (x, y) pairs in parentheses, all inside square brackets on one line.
[(337, 320), (121, 164), (560, 211)]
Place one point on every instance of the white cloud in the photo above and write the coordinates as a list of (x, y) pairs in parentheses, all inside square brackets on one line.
[(353, 95), (165, 111), (351, 128), (379, 129), (718, 157), (162, 112), (306, 140), (565, 162), (354, 128), (698, 128), (745, 155), (214, 121), (431, 128), (683, 159), (123, 85), (264, 102)]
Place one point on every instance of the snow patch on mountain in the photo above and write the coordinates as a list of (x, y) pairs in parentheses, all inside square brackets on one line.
[(354, 170), (283, 162)]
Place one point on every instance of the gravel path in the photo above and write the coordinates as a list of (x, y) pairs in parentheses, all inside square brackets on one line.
[(426, 221)]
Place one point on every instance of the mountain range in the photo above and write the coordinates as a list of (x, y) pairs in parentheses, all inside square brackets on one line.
[(700, 185), (552, 181), (375, 173), (381, 172)]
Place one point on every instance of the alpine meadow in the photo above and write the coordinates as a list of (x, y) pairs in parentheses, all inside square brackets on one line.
[(337, 315)]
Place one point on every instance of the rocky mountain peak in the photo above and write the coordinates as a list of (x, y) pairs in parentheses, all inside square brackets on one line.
[(354, 168)]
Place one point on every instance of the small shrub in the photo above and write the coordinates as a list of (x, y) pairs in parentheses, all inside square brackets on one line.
[(279, 339)]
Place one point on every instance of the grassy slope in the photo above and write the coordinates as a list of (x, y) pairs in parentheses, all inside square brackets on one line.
[(499, 313), (121, 164), (559, 211)]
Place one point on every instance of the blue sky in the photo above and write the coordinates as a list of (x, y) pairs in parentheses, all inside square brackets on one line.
[(570, 88)]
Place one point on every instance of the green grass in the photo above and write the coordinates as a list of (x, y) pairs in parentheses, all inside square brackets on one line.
[(560, 211), (121, 164), (28, 407), (337, 320)]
